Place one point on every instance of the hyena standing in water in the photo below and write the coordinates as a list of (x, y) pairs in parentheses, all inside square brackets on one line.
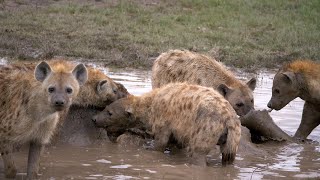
[(194, 68), (98, 91), (195, 116), (300, 78), (31, 103)]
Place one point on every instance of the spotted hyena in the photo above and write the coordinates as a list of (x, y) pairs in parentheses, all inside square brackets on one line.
[(30, 106), (98, 91), (300, 78), (195, 116), (194, 68)]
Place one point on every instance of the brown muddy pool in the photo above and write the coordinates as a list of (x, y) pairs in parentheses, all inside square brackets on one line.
[(113, 161)]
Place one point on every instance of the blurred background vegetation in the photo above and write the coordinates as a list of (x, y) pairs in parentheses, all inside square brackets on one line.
[(132, 33)]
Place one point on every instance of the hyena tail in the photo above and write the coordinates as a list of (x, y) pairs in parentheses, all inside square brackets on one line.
[(230, 147)]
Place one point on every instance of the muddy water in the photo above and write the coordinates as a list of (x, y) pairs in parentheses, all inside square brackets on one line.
[(112, 161)]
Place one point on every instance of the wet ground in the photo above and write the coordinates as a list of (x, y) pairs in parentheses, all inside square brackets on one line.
[(113, 161)]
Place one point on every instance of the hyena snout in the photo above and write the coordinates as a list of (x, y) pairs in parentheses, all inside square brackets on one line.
[(96, 121), (269, 104), (100, 120), (60, 103)]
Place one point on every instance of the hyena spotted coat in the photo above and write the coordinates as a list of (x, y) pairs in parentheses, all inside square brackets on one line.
[(30, 106), (98, 91), (196, 116), (194, 68), (300, 78)]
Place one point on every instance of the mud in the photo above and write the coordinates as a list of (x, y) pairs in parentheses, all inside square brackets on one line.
[(83, 152)]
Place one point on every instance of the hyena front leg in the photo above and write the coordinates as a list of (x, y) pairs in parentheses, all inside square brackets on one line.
[(35, 151), (9, 166), (161, 137), (310, 120)]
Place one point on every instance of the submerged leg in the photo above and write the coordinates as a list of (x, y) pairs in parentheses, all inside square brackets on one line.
[(310, 120), (35, 150), (162, 136), (199, 159)]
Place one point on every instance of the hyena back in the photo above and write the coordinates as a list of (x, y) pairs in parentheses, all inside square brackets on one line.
[(31, 102), (194, 68)]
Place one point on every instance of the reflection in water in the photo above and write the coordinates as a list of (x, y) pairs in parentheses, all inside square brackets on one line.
[(124, 166), (288, 159), (3, 61)]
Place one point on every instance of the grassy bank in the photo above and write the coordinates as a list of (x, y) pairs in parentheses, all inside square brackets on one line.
[(248, 33)]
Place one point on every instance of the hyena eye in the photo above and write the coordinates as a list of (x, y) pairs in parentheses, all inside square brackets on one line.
[(251, 100), (51, 89), (109, 113), (239, 104), (69, 90), (276, 91)]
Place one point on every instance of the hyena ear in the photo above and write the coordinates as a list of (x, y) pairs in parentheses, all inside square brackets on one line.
[(223, 89), (102, 85), (81, 74), (121, 90), (252, 83), (288, 77), (42, 71), (129, 112)]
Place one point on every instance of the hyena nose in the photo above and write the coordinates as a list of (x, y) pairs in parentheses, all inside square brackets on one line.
[(269, 104), (60, 103), (94, 120)]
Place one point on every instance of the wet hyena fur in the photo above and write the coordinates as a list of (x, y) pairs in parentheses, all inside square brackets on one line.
[(98, 91), (300, 78), (194, 68), (31, 104), (195, 116)]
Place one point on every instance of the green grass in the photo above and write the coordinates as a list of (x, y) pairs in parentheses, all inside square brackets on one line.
[(242, 33)]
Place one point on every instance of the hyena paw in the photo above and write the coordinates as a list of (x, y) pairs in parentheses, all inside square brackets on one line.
[(33, 175)]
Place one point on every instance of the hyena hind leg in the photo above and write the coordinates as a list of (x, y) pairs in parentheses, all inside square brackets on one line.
[(162, 136)]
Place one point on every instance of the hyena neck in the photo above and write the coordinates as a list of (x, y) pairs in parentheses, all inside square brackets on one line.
[(306, 89), (142, 106), (39, 108)]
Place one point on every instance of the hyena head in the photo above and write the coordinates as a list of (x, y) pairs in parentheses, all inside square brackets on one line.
[(60, 86), (241, 99), (118, 115), (110, 91), (284, 89)]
